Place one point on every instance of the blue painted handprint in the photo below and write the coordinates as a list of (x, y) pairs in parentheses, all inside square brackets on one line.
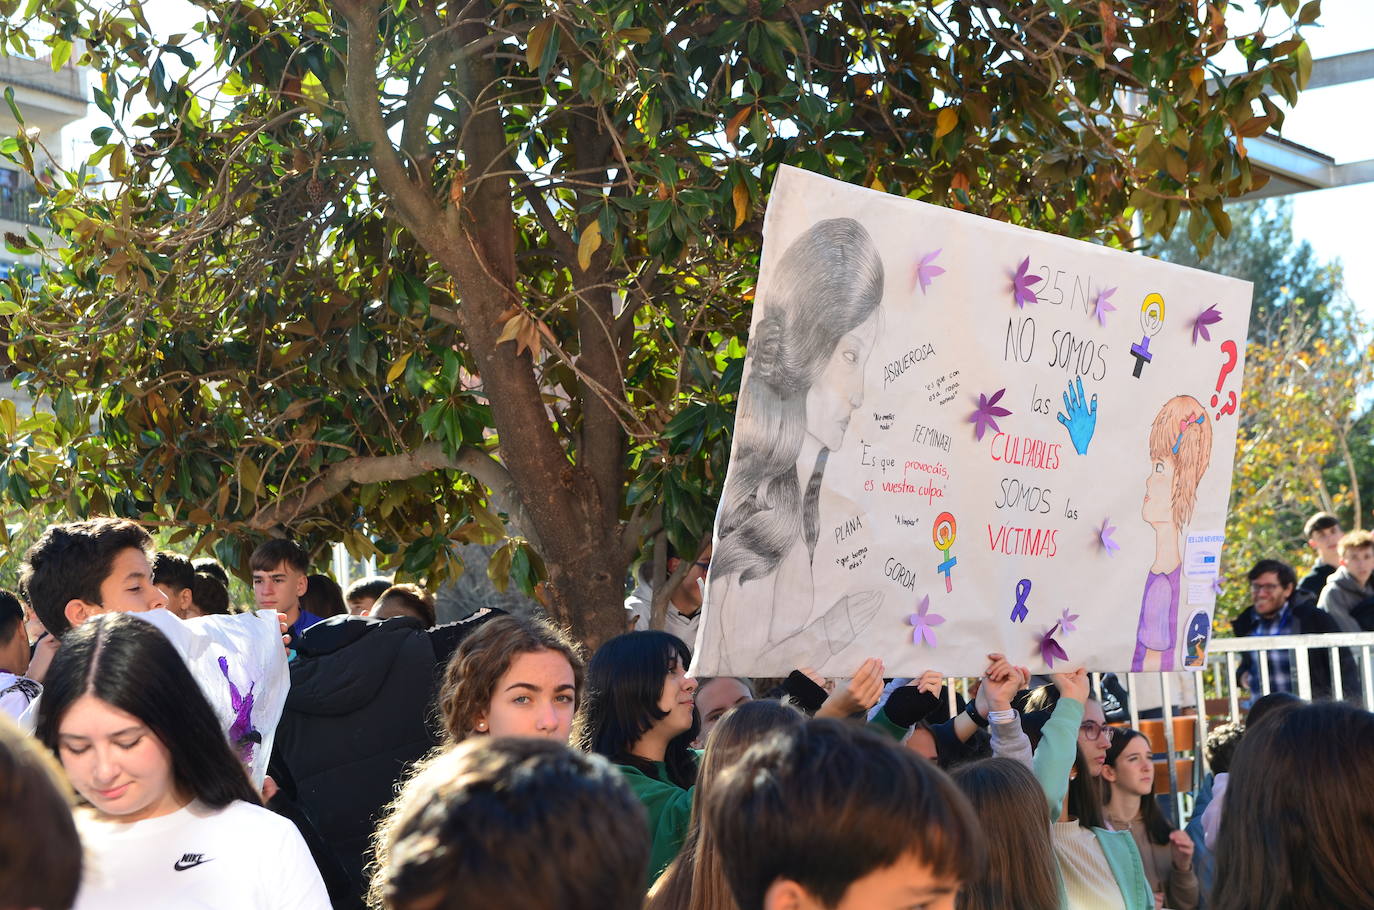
[(1082, 416)]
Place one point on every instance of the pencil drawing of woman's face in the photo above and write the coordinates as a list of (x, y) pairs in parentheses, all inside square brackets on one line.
[(839, 389)]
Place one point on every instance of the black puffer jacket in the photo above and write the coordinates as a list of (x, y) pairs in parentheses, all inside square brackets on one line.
[(360, 711)]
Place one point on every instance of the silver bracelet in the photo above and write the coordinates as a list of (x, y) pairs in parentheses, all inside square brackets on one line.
[(1002, 717)]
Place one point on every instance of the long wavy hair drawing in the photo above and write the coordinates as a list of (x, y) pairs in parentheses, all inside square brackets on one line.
[(817, 327), (828, 283)]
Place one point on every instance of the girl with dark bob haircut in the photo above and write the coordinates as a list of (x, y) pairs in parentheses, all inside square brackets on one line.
[(144, 749), (1298, 830), (638, 711)]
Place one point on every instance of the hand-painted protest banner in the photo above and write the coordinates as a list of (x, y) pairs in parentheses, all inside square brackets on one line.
[(957, 436)]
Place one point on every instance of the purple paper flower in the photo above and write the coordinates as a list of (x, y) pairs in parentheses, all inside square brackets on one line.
[(1209, 316), (984, 417), (926, 271), (1051, 650), (1021, 285), (1105, 534), (923, 623), (1067, 620), (1102, 306)]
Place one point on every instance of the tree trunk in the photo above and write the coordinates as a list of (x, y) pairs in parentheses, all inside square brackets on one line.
[(572, 504), (589, 596)]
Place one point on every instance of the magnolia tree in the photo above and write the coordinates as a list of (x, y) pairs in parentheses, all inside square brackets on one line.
[(405, 272)]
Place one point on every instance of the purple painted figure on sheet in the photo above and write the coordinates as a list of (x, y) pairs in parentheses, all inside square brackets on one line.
[(241, 733)]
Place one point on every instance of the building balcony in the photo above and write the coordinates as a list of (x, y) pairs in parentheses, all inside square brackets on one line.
[(47, 100), (67, 83), (18, 205)]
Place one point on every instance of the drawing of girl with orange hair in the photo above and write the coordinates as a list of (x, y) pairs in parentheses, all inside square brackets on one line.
[(1180, 449)]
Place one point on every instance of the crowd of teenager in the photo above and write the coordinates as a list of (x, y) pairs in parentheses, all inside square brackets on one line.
[(336, 748)]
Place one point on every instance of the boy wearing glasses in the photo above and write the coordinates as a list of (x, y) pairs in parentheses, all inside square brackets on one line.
[(1279, 608), (684, 604)]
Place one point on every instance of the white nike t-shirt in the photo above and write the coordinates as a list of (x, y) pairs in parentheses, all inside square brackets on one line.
[(241, 856)]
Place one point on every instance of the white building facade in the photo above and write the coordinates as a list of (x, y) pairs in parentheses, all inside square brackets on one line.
[(48, 101)]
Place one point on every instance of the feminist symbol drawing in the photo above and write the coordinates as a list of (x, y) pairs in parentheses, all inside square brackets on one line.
[(942, 535), (1151, 318), (1021, 611)]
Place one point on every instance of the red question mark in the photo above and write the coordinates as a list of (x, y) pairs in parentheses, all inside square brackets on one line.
[(1232, 355)]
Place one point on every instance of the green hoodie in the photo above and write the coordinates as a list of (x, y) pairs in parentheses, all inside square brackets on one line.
[(669, 808)]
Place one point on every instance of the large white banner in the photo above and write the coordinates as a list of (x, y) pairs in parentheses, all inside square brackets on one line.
[(957, 436)]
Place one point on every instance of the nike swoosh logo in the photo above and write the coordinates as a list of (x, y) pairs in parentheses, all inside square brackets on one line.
[(182, 866)]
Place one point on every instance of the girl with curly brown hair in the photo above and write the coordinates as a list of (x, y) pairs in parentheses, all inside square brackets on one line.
[(512, 677)]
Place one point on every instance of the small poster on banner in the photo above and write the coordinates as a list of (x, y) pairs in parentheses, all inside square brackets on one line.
[(1202, 555)]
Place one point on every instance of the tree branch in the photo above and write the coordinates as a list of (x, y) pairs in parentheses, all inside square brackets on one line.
[(644, 522), (498, 35), (421, 96), (430, 456), (560, 238), (416, 206), (640, 292)]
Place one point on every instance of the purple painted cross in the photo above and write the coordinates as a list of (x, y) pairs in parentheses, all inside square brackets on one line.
[(1142, 355)]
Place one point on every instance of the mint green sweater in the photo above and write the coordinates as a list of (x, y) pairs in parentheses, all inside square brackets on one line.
[(1053, 759)]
